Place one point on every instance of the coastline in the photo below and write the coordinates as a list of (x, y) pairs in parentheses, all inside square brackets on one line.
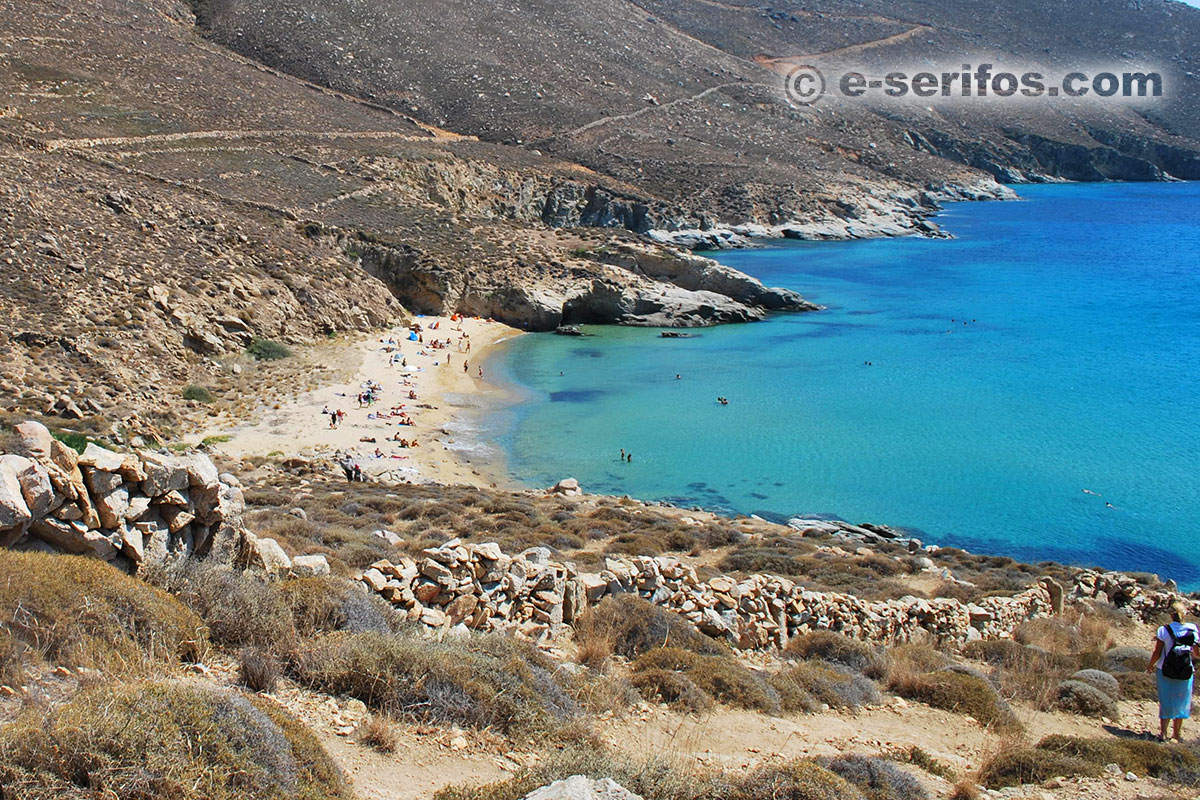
[(441, 412)]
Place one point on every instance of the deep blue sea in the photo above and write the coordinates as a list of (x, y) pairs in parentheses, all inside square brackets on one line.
[(1052, 346)]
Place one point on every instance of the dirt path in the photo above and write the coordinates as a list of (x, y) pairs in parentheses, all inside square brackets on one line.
[(784, 64)]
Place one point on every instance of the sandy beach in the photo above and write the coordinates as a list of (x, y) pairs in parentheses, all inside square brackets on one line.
[(413, 378)]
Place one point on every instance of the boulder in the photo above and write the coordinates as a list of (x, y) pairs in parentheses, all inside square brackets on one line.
[(394, 539), (112, 506), (163, 474), (568, 487), (35, 440), (75, 538), (580, 787), (14, 512), (99, 458), (62, 456), (266, 554), (310, 566), (35, 484)]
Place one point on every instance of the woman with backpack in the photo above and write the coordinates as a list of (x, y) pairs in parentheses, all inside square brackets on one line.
[(1175, 645)]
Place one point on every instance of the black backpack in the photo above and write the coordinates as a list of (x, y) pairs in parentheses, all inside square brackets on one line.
[(1178, 664)]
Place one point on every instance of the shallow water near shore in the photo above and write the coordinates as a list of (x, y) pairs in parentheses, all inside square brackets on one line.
[(1052, 346)]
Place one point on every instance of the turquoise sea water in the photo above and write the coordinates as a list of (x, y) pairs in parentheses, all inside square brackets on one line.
[(1076, 368)]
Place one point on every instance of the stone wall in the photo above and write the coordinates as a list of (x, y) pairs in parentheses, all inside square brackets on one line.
[(482, 588), (127, 508)]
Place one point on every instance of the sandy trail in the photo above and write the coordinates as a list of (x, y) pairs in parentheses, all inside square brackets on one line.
[(443, 390)]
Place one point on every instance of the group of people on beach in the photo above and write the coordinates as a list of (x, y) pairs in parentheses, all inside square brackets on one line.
[(371, 392)]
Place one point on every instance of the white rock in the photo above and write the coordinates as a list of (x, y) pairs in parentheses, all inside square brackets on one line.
[(14, 511), (100, 458), (308, 566), (580, 787)]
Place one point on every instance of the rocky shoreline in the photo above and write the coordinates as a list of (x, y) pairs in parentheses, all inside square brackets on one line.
[(869, 215)]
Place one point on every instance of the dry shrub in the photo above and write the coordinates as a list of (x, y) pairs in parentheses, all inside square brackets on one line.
[(1054, 634), (377, 734), (965, 790), (876, 778), (835, 685), (653, 779), (838, 649), (241, 609), (257, 670), (919, 758), (1032, 765), (721, 677), (326, 604), (672, 688), (480, 681), (1126, 659), (164, 741), (76, 611), (1071, 756), (1077, 697), (799, 779), (1137, 685), (1099, 680), (959, 692), (629, 626), (1171, 762)]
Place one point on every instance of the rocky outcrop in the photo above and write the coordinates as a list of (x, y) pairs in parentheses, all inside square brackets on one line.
[(1104, 155), (627, 284), (131, 509)]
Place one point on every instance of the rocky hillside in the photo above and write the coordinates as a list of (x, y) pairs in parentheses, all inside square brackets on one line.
[(185, 182), (683, 99)]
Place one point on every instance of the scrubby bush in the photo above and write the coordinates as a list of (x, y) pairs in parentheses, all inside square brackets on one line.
[(1032, 765), (1100, 680), (793, 696), (481, 681), (377, 734), (1077, 697), (965, 790), (1172, 762), (326, 604), (876, 778), (918, 757), (835, 685), (241, 609), (959, 692), (267, 350), (257, 670), (654, 779), (722, 677), (1137, 685), (160, 741), (200, 394), (1075, 756), (629, 626), (76, 611), (838, 649), (1126, 659), (674, 688), (800, 779)]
